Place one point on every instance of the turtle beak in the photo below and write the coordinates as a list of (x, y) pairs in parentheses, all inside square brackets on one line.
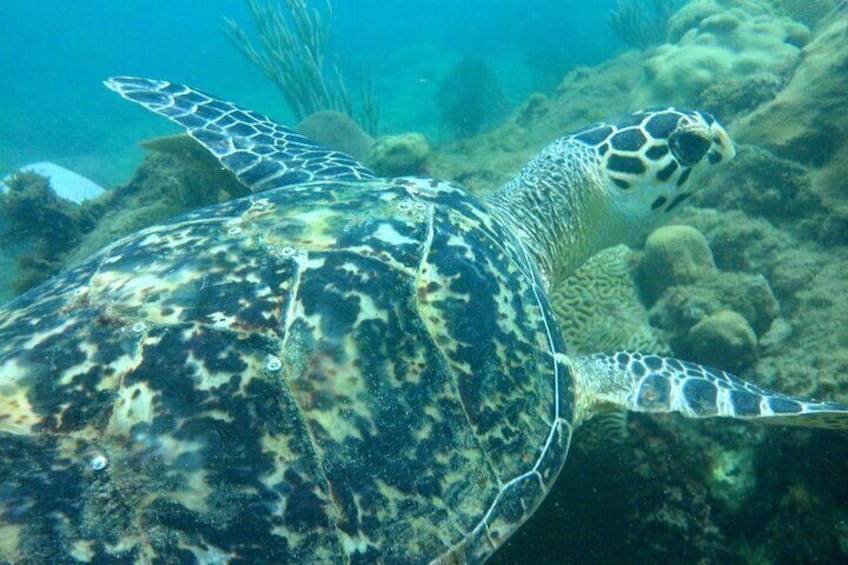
[(722, 148), (689, 144), (704, 136)]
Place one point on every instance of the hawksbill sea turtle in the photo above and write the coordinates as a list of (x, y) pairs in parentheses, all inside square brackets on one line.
[(337, 368)]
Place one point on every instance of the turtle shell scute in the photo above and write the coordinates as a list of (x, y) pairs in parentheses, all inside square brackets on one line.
[(328, 372)]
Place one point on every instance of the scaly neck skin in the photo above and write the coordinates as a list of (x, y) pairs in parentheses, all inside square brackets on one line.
[(560, 207)]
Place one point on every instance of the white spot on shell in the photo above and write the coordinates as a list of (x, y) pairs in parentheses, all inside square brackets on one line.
[(139, 327), (260, 204), (288, 251), (98, 461), (220, 320), (273, 363), (233, 226), (387, 232), (404, 206)]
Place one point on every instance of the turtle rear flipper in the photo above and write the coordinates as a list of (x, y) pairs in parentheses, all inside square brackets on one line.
[(650, 383)]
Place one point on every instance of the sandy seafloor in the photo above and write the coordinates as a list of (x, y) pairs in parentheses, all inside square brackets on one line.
[(645, 489)]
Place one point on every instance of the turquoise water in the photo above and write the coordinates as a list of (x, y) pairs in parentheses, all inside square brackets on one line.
[(635, 489), (55, 54)]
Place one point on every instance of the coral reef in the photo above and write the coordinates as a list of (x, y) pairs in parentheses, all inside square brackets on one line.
[(644, 500), (723, 339), (673, 255), (337, 131), (808, 12), (735, 96), (726, 55), (690, 16), (536, 107), (195, 168), (766, 186), (776, 224), (803, 122), (397, 155), (585, 95), (172, 179), (727, 45), (680, 307), (777, 231), (470, 97)]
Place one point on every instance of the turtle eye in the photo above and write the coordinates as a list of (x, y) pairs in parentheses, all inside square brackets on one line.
[(689, 145)]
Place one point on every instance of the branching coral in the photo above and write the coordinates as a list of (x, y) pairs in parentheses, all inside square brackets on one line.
[(293, 40), (642, 23)]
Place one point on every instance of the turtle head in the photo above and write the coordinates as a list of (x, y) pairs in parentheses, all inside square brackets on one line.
[(610, 183), (653, 160)]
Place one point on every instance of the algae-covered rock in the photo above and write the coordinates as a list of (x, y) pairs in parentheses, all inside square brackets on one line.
[(337, 131), (829, 186), (167, 183), (751, 296), (534, 109), (66, 183), (31, 210), (806, 122), (742, 243), (681, 307), (189, 159), (690, 16), (765, 185), (724, 340), (808, 12), (727, 45), (584, 96), (674, 255), (398, 155), (735, 96), (732, 480)]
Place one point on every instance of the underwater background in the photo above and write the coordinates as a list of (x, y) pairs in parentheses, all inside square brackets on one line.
[(751, 277), (55, 55)]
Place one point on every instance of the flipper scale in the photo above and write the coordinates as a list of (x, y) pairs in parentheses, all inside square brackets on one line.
[(651, 383), (260, 152)]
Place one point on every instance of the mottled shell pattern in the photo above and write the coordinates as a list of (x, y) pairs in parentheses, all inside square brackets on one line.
[(328, 372)]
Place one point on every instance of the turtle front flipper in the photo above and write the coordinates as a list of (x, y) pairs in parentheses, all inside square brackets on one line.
[(649, 383), (261, 153)]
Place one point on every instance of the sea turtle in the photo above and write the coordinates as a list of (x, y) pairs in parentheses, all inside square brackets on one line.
[(338, 367)]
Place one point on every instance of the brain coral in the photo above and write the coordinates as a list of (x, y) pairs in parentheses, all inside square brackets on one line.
[(599, 308), (726, 45)]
